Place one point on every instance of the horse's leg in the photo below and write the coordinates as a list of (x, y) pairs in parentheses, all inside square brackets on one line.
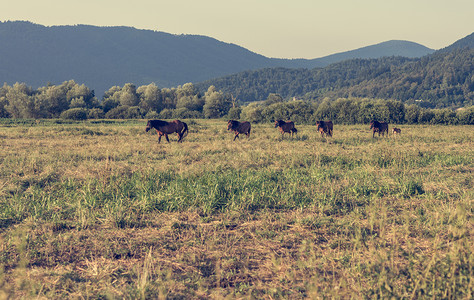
[(166, 136), (159, 138), (180, 136), (236, 136)]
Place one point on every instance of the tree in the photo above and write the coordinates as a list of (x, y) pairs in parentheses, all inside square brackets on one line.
[(51, 101), (216, 104), (21, 102), (325, 111), (412, 113), (76, 91), (396, 110), (273, 98), (3, 101), (195, 103), (150, 98), (128, 95)]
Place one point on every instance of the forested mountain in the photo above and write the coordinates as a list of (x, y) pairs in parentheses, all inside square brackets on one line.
[(390, 48), (467, 42), (442, 79), (102, 57)]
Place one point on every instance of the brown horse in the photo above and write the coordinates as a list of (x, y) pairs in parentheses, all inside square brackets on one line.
[(325, 127), (238, 127), (288, 127), (164, 128), (380, 127), (396, 131)]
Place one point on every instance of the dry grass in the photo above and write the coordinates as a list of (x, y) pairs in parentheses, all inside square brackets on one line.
[(102, 211)]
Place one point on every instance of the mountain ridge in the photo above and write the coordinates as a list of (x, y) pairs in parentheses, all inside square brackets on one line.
[(102, 57)]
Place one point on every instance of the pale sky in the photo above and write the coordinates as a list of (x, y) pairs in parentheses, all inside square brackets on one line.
[(274, 28)]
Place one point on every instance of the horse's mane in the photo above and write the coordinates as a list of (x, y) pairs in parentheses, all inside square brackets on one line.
[(157, 122), (233, 123), (280, 122)]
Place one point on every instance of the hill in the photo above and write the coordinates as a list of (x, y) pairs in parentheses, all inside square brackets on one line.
[(442, 79), (466, 42), (390, 48), (102, 57)]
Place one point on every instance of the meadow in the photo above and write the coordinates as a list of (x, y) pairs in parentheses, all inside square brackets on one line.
[(99, 209)]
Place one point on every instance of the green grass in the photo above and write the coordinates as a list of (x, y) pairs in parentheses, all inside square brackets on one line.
[(101, 210)]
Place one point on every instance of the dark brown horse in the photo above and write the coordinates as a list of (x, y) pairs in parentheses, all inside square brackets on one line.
[(238, 127), (288, 127), (163, 128), (380, 127), (325, 127)]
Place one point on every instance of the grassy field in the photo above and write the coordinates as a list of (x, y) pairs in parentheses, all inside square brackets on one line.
[(101, 210)]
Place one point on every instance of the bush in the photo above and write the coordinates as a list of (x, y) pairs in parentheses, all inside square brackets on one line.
[(74, 114), (425, 116), (119, 112), (109, 104), (95, 113), (411, 114), (184, 113), (234, 113), (443, 116), (133, 112), (151, 115), (465, 116), (166, 113)]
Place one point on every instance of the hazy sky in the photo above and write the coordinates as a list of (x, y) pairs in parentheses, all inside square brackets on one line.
[(274, 28)]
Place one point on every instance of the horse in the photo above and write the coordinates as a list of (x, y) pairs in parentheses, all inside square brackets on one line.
[(380, 127), (325, 127), (238, 127), (163, 128), (396, 131), (288, 127)]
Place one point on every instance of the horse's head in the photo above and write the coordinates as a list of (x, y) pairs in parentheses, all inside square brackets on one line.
[(373, 124), (278, 123), (148, 126), (230, 124)]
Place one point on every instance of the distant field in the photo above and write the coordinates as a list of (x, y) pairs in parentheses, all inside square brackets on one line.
[(101, 210)]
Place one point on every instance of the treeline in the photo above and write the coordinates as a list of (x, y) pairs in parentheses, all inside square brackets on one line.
[(73, 101), (70, 100), (352, 111), (441, 80)]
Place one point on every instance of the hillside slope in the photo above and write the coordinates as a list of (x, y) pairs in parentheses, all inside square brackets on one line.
[(443, 79)]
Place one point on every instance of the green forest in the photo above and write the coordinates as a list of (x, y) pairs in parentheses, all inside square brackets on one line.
[(444, 79), (71, 100)]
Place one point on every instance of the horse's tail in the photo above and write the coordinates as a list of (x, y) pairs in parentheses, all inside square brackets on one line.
[(185, 130)]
